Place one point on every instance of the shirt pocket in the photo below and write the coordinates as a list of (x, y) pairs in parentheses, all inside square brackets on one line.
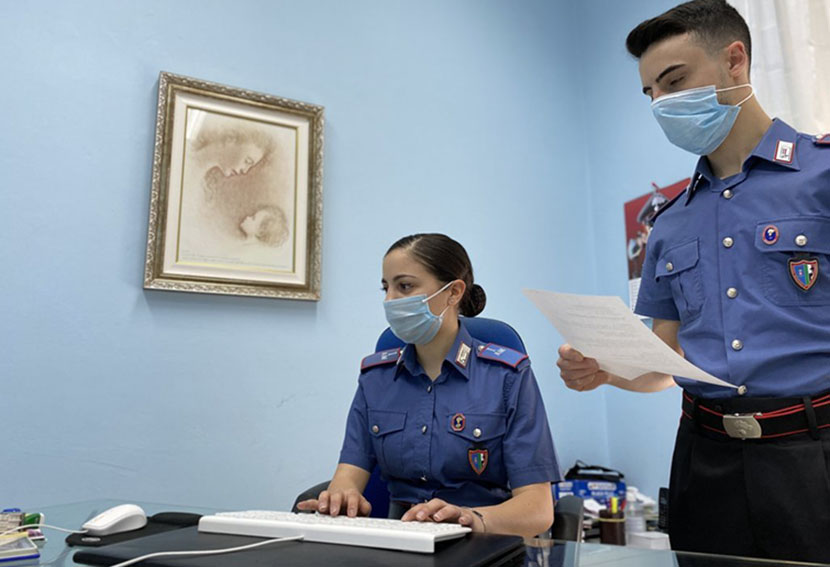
[(479, 441), (679, 266), (387, 431), (813, 234)]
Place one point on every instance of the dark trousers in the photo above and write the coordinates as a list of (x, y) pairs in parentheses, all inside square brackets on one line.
[(765, 498)]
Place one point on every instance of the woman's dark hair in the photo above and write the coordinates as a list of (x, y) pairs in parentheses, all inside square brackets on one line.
[(714, 23), (447, 260)]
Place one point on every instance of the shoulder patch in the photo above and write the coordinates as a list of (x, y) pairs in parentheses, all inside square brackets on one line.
[(822, 140), (508, 356), (381, 357)]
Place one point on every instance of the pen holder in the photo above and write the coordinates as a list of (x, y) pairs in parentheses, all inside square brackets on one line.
[(612, 527)]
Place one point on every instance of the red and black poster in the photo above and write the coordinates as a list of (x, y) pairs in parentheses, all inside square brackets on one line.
[(639, 214)]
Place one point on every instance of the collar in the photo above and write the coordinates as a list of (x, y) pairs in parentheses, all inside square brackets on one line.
[(458, 356), (777, 146)]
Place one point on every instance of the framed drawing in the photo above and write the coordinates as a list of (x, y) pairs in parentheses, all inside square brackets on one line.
[(236, 196)]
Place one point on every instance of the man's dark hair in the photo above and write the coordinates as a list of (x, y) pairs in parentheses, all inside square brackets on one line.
[(714, 23)]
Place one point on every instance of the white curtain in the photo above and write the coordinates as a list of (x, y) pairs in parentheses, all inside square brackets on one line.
[(791, 59)]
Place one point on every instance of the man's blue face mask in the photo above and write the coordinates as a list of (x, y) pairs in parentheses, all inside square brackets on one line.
[(411, 319), (694, 119)]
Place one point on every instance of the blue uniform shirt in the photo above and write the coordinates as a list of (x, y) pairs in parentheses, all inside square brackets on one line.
[(744, 264), (470, 436)]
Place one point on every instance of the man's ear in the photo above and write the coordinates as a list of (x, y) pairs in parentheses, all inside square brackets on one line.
[(738, 60)]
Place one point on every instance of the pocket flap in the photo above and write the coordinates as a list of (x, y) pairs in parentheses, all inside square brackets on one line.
[(677, 259), (783, 235), (478, 426), (383, 422)]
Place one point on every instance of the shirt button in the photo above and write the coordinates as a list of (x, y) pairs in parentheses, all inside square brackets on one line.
[(737, 344), (375, 429), (801, 240), (429, 388), (728, 242), (424, 429), (727, 193), (731, 293), (476, 432), (669, 267)]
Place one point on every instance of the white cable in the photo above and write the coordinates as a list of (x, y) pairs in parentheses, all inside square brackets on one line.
[(33, 526), (205, 552)]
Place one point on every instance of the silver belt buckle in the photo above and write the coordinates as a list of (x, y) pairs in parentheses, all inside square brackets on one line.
[(742, 425)]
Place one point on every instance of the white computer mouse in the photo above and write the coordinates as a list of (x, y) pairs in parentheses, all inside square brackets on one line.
[(123, 518)]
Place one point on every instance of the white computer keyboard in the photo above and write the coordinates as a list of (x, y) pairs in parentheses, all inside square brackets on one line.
[(366, 532)]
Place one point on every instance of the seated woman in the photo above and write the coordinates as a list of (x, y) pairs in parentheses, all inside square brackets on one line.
[(457, 427)]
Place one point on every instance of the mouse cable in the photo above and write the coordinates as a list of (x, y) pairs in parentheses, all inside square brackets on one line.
[(36, 526), (206, 551)]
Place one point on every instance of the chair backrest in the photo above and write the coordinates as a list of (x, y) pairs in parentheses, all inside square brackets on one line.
[(485, 330)]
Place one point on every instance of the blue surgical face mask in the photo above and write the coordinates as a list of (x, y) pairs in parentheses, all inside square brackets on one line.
[(411, 319), (694, 119)]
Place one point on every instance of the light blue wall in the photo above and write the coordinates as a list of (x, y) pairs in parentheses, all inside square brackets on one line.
[(461, 117), (627, 152)]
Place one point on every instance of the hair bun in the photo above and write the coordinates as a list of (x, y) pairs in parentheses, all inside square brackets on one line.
[(474, 302)]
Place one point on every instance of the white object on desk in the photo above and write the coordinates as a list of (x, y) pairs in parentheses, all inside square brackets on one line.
[(602, 327), (648, 540), (123, 518), (366, 532)]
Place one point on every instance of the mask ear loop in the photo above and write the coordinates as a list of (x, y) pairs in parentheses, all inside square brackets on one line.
[(749, 96), (448, 284)]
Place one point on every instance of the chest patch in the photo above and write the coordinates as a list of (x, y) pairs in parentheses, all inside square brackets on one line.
[(804, 272)]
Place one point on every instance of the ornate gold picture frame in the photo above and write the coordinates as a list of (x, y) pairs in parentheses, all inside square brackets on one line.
[(237, 192)]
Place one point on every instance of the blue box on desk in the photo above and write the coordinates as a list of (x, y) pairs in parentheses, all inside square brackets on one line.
[(599, 490)]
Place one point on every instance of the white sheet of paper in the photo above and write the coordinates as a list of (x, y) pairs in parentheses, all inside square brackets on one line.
[(603, 327)]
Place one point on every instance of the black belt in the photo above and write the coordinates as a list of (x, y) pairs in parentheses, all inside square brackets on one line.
[(759, 418)]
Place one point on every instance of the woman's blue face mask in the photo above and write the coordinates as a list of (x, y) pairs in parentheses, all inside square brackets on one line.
[(694, 119), (411, 319)]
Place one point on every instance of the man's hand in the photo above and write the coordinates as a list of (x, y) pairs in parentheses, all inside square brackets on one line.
[(578, 372)]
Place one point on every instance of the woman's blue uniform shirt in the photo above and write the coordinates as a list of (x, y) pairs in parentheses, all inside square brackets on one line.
[(714, 264), (483, 412)]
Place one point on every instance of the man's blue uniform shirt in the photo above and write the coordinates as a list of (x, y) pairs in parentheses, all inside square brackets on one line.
[(718, 261), (470, 436)]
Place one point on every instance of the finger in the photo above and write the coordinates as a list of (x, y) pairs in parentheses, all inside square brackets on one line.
[(411, 513), (323, 501), (448, 513), (352, 503), (310, 504), (335, 501), (568, 352), (365, 506), (572, 365), (466, 518), (430, 508)]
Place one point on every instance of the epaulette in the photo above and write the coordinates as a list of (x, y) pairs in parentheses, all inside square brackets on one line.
[(670, 202), (822, 140), (381, 357), (508, 356)]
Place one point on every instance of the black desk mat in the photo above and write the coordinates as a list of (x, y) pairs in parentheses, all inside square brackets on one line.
[(474, 550)]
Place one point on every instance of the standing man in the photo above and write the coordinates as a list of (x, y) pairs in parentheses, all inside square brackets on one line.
[(736, 278)]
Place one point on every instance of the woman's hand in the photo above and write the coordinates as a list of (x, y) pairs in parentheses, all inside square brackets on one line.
[(335, 502), (578, 372), (437, 510)]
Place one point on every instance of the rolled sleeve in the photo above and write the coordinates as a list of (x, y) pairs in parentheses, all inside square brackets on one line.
[(655, 298), (529, 454), (357, 445)]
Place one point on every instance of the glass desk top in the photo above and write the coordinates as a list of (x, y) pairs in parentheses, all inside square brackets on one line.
[(539, 553)]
